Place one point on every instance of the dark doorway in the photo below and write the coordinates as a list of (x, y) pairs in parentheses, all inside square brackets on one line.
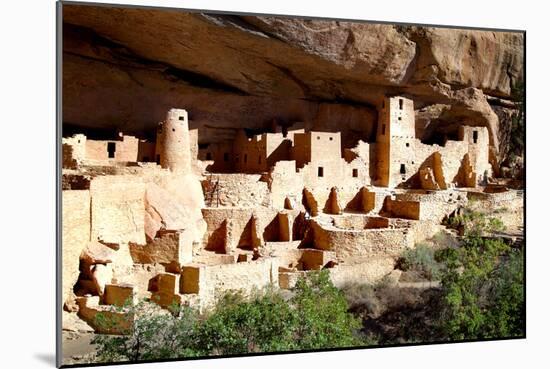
[(402, 169), (111, 148)]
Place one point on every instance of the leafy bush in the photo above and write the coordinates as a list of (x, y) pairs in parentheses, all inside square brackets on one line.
[(482, 285), (421, 259), (316, 316), (155, 334), (323, 320), (472, 223), (264, 323)]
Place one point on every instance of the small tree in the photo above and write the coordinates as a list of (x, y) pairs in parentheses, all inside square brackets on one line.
[(323, 320), (263, 323), (482, 285)]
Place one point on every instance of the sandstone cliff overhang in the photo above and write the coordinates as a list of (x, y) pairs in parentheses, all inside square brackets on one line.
[(125, 74)]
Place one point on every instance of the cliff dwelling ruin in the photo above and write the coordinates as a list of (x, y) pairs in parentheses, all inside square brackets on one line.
[(180, 222)]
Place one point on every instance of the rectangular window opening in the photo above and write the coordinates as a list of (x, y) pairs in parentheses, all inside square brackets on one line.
[(475, 136), (400, 104), (355, 173), (402, 169), (320, 172), (111, 148)]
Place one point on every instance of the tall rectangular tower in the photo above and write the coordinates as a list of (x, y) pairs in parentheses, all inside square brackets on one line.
[(395, 140)]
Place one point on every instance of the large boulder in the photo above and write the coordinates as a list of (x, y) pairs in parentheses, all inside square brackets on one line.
[(97, 253), (175, 206)]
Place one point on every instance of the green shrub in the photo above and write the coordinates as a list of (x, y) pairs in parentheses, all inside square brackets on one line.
[(156, 334), (263, 323), (315, 317), (475, 223), (421, 259), (323, 320), (482, 285)]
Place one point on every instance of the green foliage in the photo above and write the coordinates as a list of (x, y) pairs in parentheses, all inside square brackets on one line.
[(474, 224), (421, 259), (482, 284), (323, 320), (155, 334), (263, 323), (315, 317)]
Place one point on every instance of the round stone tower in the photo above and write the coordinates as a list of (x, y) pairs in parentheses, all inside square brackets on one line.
[(173, 144)]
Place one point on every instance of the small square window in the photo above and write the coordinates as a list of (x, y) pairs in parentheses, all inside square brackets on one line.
[(318, 137), (398, 118), (475, 136), (402, 169), (181, 117), (355, 173), (407, 144), (330, 138)]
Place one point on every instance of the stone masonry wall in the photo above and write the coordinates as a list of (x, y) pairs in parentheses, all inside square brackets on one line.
[(118, 209), (75, 236)]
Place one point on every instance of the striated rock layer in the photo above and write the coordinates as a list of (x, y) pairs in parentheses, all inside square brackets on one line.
[(124, 67)]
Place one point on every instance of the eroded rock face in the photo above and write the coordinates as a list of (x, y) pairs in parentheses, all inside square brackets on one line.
[(124, 68)]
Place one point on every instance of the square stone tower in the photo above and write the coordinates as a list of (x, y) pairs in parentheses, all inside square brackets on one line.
[(395, 139)]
